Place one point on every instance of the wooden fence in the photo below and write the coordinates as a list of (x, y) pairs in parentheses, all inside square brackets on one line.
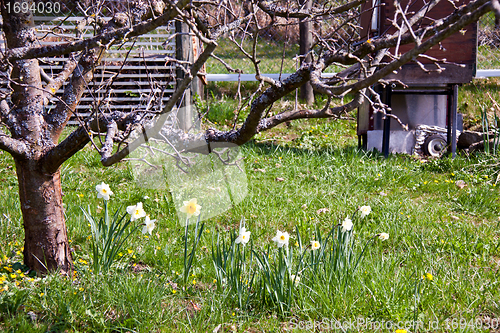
[(133, 76)]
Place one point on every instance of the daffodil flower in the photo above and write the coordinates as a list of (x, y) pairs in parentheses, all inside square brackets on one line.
[(281, 238), (103, 191), (243, 237), (136, 211), (365, 210), (383, 236), (315, 245), (295, 279), (346, 225), (149, 225), (191, 208)]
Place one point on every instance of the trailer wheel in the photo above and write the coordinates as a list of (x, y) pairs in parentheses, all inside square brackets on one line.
[(434, 145)]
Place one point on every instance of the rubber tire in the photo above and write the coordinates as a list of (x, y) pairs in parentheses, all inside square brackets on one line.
[(434, 145)]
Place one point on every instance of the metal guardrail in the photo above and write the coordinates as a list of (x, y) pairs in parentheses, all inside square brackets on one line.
[(484, 73), (249, 77), (480, 74)]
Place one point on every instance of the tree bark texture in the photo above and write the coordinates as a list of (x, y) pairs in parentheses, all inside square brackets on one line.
[(45, 240), (306, 91), (184, 53)]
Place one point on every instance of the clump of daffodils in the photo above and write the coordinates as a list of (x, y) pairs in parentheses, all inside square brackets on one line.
[(112, 230)]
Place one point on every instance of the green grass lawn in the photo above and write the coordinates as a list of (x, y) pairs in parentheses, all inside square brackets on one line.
[(270, 51), (303, 179)]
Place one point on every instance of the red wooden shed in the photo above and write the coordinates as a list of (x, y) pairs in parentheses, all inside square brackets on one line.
[(427, 100)]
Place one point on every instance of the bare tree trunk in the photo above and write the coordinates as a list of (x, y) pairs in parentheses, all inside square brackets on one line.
[(46, 242), (306, 91), (184, 53)]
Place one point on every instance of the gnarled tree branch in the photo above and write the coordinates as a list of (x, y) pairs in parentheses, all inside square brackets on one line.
[(105, 38), (274, 9), (13, 146)]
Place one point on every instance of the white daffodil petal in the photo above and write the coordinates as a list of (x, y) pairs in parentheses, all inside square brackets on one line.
[(315, 245), (103, 191), (383, 236), (136, 212), (149, 225), (243, 237), (295, 279), (365, 210), (346, 225), (281, 238), (191, 208)]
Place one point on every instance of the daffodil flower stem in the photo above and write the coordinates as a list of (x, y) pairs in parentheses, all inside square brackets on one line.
[(362, 253), (416, 299), (108, 237), (354, 214), (348, 275), (298, 270), (106, 215), (188, 258), (186, 271)]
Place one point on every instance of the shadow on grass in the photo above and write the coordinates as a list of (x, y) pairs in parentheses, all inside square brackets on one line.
[(442, 165), (268, 148)]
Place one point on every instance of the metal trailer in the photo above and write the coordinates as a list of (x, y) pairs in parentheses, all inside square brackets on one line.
[(426, 101)]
